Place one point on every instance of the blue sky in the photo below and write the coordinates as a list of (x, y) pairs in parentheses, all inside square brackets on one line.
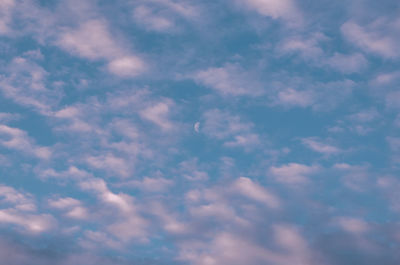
[(257, 132)]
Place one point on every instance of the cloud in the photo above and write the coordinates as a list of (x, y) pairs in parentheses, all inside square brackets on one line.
[(302, 92), (164, 15), (25, 82), (149, 184), (229, 128), (378, 37), (191, 170), (252, 190), (6, 9), (320, 147), (353, 225), (293, 173), (229, 80), (129, 224), (285, 9), (7, 117), (294, 98), (158, 114), (127, 66), (348, 63), (111, 163), (20, 209), (93, 40), (17, 139), (392, 99), (389, 186), (230, 248), (73, 208), (356, 177), (309, 48), (151, 20), (23, 202)]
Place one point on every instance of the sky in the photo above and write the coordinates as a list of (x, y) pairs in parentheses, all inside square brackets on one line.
[(237, 132)]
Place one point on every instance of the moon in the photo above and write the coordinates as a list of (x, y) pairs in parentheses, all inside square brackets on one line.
[(197, 126)]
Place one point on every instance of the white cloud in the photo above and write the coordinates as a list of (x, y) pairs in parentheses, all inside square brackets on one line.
[(71, 173), (229, 128), (6, 9), (364, 116), (252, 190), (383, 79), (355, 176), (158, 114), (233, 249), (293, 173), (164, 15), (393, 99), (32, 223), (283, 9), (308, 48), (20, 209), (229, 80), (390, 189), (294, 98), (6, 117), (113, 164), (303, 92), (152, 20), (17, 139), (320, 147), (25, 82), (192, 171), (169, 221), (93, 40), (21, 201), (379, 37), (247, 141), (128, 66), (348, 63), (129, 224), (148, 184), (73, 208), (353, 225)]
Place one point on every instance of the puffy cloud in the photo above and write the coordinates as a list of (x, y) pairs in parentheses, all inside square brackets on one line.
[(149, 184), (379, 37), (158, 114), (111, 163), (25, 82), (93, 40), (20, 209), (348, 63), (230, 248), (285, 9), (73, 208), (127, 66), (164, 15), (151, 20), (389, 186), (321, 147), (229, 80), (294, 98), (353, 225), (252, 190), (6, 10), (129, 224), (230, 128), (293, 173), (17, 139)]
